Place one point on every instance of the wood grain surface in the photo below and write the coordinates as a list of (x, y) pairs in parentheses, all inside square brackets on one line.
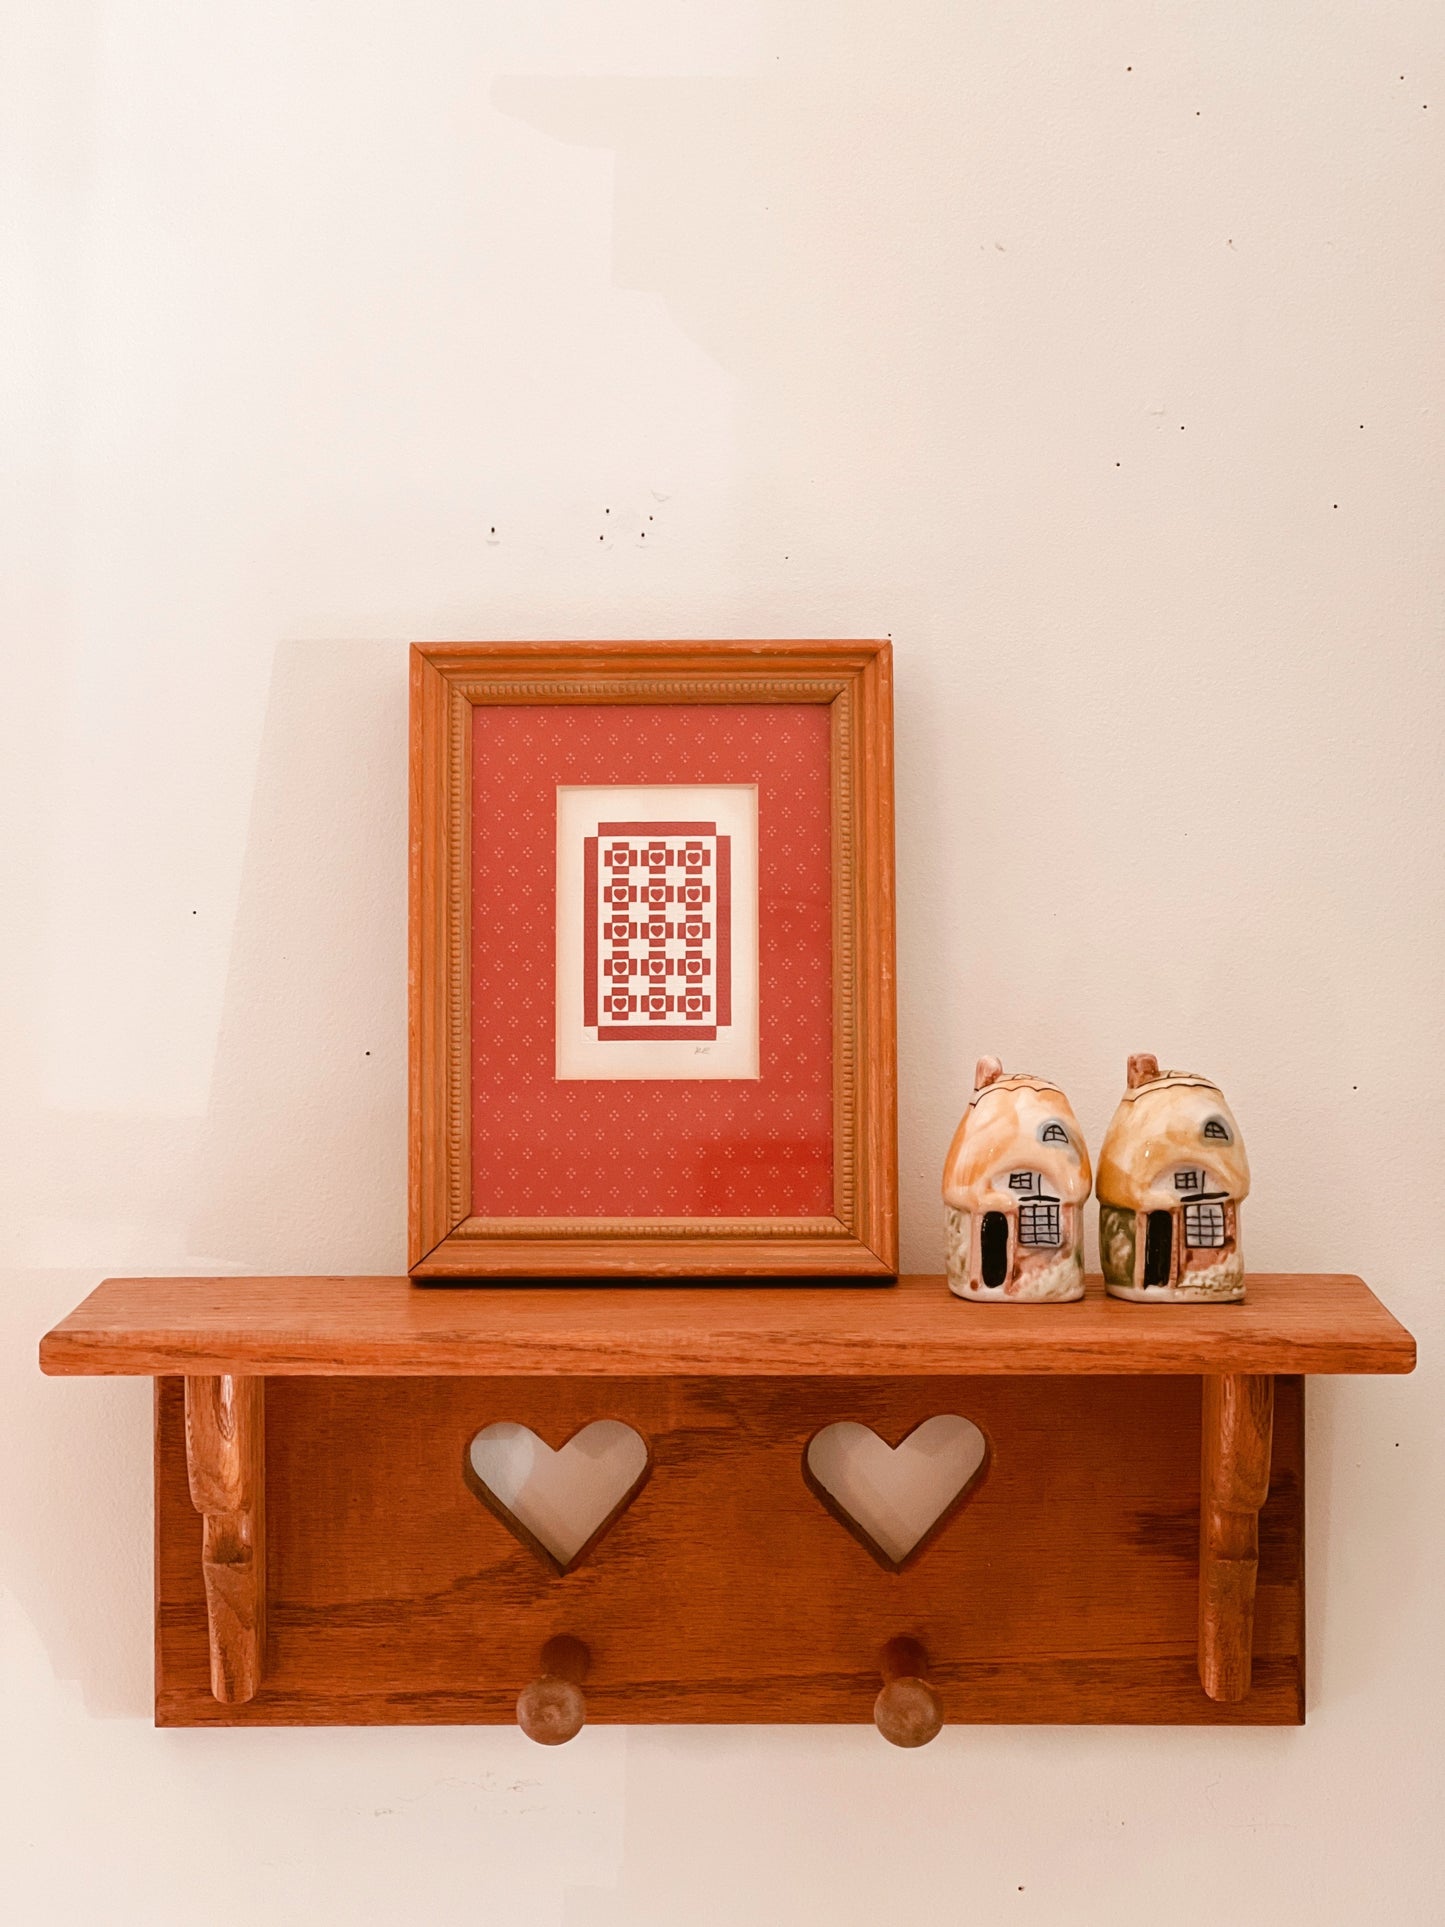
[(854, 680), (318, 1326), (1066, 1590)]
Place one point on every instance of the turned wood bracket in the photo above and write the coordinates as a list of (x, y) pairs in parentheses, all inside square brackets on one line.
[(226, 1463), (1238, 1437)]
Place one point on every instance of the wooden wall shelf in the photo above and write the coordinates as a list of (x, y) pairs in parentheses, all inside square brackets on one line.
[(1133, 1550), (391, 1328)]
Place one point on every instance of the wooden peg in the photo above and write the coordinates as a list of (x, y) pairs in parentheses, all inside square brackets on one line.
[(1234, 1484), (907, 1711), (226, 1461), (552, 1709)]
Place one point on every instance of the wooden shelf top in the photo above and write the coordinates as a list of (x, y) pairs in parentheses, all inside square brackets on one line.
[(392, 1328)]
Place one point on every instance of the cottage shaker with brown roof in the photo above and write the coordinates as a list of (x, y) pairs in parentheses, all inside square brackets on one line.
[(1014, 1187)]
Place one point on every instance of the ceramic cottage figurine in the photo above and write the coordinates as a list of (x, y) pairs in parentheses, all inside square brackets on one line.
[(1014, 1185), (1172, 1174)]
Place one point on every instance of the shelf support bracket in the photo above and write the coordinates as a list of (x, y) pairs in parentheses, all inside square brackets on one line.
[(1238, 1434), (226, 1461)]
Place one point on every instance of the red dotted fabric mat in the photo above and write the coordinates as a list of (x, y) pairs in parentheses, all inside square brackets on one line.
[(656, 1148)]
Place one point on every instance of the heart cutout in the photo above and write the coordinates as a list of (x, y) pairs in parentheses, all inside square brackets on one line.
[(895, 1498), (558, 1503)]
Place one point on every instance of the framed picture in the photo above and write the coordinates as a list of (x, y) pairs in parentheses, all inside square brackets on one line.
[(652, 1008)]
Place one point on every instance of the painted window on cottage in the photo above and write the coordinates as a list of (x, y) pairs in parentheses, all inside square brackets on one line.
[(1023, 1181), (1204, 1226), (1053, 1133), (1216, 1127), (1039, 1222), (1188, 1180)]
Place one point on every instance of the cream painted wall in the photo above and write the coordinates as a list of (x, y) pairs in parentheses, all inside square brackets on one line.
[(1092, 352)]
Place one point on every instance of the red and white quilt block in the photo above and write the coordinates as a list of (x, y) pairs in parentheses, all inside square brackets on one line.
[(657, 932)]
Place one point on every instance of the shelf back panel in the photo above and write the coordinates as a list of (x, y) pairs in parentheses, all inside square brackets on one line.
[(1062, 1589)]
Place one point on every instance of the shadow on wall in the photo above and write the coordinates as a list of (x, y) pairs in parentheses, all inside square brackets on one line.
[(75, 1554), (298, 1165), (301, 1164)]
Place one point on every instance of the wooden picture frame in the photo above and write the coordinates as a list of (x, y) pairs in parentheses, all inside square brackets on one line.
[(854, 1236)]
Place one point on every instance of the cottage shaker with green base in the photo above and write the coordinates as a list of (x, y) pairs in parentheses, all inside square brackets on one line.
[(1172, 1176)]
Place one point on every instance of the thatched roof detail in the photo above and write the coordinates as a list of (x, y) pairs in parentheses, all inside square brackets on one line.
[(1002, 1131), (1158, 1126)]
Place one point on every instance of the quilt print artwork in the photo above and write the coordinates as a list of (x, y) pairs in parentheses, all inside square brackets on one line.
[(656, 938), (657, 932)]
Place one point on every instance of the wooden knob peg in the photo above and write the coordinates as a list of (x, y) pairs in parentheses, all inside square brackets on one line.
[(906, 1712), (553, 1708)]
